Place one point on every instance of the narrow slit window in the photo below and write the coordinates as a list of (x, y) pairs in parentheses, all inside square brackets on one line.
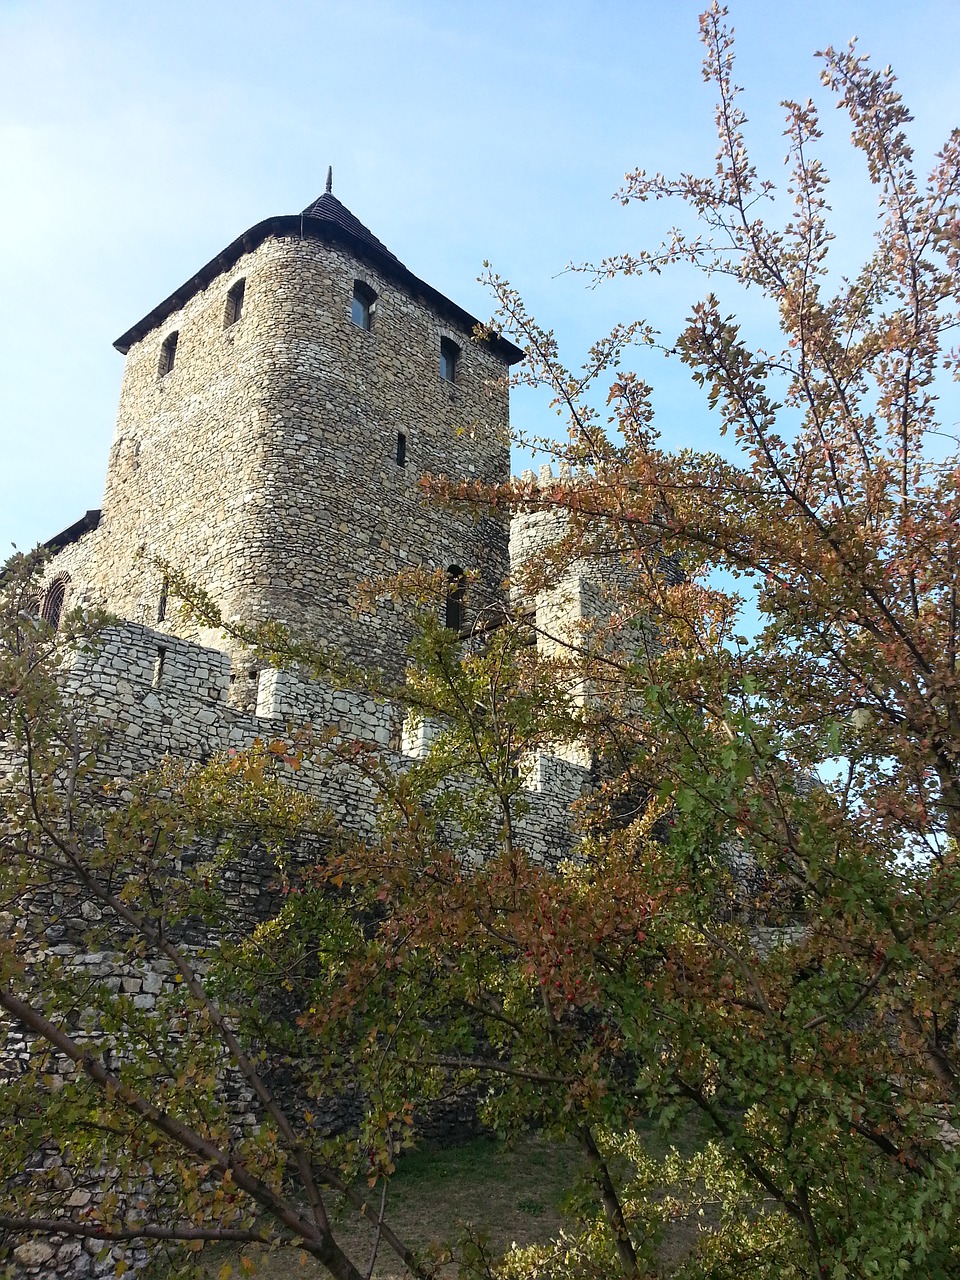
[(449, 358), (364, 305), (401, 449), (454, 611), (159, 665), (168, 352), (234, 307), (162, 602)]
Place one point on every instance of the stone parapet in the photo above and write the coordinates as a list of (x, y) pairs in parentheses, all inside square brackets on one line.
[(151, 695)]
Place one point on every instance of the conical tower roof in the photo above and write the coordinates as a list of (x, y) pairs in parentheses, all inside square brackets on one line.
[(331, 222), (328, 208)]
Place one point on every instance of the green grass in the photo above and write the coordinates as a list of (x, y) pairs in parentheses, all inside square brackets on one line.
[(504, 1192), (507, 1193)]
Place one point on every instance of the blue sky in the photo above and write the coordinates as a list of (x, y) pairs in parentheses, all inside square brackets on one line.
[(136, 140)]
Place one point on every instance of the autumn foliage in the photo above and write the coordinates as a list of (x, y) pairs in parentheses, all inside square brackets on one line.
[(758, 937), (814, 1022)]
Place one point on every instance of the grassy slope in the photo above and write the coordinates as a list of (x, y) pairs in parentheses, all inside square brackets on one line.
[(507, 1194)]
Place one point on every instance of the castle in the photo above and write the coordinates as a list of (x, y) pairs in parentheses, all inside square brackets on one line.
[(276, 414)]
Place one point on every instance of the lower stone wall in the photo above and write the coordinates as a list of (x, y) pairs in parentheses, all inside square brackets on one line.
[(444, 1121), (148, 695), (70, 1258), (153, 695)]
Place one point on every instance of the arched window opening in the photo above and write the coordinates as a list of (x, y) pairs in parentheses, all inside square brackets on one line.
[(168, 353), (53, 601), (234, 307), (401, 449), (364, 305), (449, 357), (455, 612)]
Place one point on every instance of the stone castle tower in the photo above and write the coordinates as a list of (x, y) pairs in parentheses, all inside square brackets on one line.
[(276, 414)]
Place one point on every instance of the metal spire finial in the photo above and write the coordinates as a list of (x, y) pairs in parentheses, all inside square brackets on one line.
[(330, 179)]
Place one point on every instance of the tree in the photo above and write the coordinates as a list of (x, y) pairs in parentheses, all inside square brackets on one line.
[(814, 1023), (761, 926), (123, 959)]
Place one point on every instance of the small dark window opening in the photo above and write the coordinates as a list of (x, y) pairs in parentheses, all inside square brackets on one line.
[(234, 307), (401, 449), (454, 612), (53, 602), (168, 352), (364, 305), (159, 664), (162, 602), (253, 692), (449, 356)]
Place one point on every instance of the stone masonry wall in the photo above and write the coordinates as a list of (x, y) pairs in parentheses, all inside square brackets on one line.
[(574, 602), (150, 694), (264, 466), (153, 694)]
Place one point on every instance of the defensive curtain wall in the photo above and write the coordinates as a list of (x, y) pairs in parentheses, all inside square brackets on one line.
[(141, 713), (182, 710)]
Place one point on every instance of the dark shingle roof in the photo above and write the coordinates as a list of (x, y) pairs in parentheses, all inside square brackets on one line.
[(328, 220), (86, 524), (328, 208)]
